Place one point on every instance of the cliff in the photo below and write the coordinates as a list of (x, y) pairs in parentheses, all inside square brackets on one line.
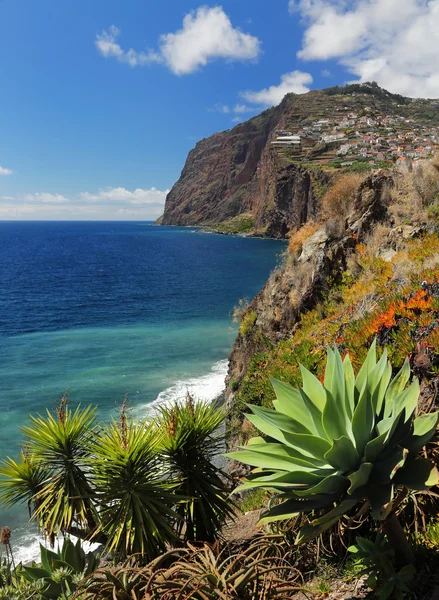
[(374, 275), (239, 181)]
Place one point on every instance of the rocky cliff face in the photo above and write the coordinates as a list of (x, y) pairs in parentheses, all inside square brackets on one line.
[(239, 172), (213, 184)]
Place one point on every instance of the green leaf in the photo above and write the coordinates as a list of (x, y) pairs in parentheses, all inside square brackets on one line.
[(385, 469), (374, 447), (334, 418), (313, 388), (292, 507), (424, 427), (396, 386), (360, 477), (380, 496), (350, 386), (363, 420), (333, 484), (274, 460), (366, 368), (341, 509), (343, 455), (407, 400), (315, 414), (417, 474), (290, 402), (279, 420)]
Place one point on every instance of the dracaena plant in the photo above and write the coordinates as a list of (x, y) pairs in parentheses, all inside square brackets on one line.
[(353, 439)]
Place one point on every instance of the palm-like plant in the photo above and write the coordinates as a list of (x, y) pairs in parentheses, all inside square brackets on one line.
[(52, 471), (135, 500), (189, 441), (352, 439)]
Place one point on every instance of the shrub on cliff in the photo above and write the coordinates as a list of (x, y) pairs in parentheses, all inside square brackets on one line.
[(338, 200), (189, 442), (351, 440), (111, 484)]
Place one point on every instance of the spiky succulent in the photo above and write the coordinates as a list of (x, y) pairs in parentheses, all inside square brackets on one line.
[(331, 446)]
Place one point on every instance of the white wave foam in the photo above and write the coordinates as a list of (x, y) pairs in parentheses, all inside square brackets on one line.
[(207, 387), (29, 548)]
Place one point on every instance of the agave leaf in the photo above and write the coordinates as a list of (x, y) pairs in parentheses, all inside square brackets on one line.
[(380, 496), (289, 401), (378, 381), (333, 484), (385, 469), (308, 531), (313, 388), (292, 507), (396, 386), (417, 474), (350, 386), (330, 368), (334, 418), (375, 447), (343, 455), (279, 420), (271, 461), (360, 477), (424, 428), (295, 479), (407, 400), (338, 386), (338, 511), (286, 451), (366, 368), (363, 420), (315, 414)]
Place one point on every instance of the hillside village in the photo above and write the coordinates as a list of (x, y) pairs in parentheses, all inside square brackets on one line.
[(365, 136)]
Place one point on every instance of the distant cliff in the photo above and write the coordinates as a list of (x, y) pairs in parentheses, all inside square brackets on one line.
[(238, 180)]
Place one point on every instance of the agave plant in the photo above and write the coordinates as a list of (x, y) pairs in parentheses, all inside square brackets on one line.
[(190, 440), (328, 447), (60, 572)]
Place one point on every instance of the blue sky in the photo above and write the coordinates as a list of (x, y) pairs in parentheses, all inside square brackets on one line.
[(101, 100)]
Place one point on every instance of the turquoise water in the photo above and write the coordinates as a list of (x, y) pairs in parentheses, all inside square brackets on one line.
[(105, 309)]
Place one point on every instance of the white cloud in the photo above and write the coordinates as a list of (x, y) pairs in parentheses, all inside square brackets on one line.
[(45, 198), (206, 34), (5, 171), (221, 108), (393, 42), (326, 73), (107, 46), (106, 204), (296, 81), (242, 108), (237, 120)]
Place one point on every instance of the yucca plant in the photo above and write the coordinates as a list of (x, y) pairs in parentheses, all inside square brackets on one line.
[(189, 441), (135, 500), (353, 439), (52, 474)]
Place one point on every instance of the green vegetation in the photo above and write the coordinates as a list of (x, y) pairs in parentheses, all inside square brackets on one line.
[(125, 484), (347, 441), (189, 442), (57, 576), (247, 322), (239, 224)]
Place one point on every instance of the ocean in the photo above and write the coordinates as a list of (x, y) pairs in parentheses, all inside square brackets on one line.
[(100, 310)]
